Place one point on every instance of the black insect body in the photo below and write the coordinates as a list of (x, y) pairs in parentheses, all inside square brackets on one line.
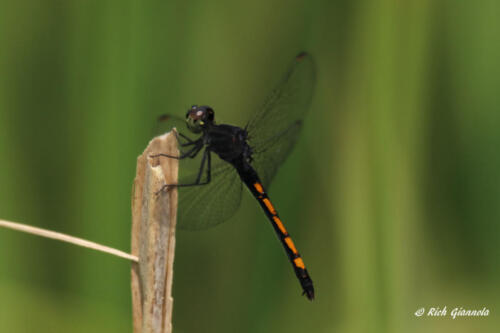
[(213, 193)]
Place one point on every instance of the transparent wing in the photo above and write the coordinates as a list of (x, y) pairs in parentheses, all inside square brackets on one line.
[(205, 206), (269, 155), (274, 129), (166, 122)]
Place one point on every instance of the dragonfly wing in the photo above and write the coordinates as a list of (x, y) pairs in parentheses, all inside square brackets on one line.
[(269, 155), (274, 129), (166, 122), (205, 206)]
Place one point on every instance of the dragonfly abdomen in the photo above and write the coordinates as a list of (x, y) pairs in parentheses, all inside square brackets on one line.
[(250, 178)]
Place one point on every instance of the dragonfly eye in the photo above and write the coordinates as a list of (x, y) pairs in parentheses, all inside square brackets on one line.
[(197, 118), (194, 107)]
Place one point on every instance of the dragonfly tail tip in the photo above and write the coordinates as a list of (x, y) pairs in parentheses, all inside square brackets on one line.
[(309, 294)]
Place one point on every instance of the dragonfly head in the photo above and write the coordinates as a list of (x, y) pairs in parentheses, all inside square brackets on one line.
[(199, 118)]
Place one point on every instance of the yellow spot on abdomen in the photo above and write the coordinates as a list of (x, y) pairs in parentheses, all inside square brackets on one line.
[(279, 224), (269, 206), (258, 187), (299, 263), (290, 244)]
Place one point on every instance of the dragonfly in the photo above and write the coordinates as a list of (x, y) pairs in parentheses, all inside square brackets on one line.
[(222, 157)]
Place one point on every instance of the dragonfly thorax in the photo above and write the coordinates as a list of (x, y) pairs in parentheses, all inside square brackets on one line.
[(229, 142)]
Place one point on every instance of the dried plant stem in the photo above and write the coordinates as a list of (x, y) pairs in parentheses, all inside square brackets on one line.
[(66, 238), (154, 216)]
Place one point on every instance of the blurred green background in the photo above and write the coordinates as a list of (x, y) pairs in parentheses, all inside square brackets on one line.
[(392, 194)]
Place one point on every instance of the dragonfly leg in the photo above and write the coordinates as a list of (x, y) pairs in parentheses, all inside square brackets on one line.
[(205, 159), (209, 168), (189, 141), (191, 153)]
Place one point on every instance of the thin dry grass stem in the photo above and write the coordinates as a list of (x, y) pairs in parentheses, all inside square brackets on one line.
[(66, 238)]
